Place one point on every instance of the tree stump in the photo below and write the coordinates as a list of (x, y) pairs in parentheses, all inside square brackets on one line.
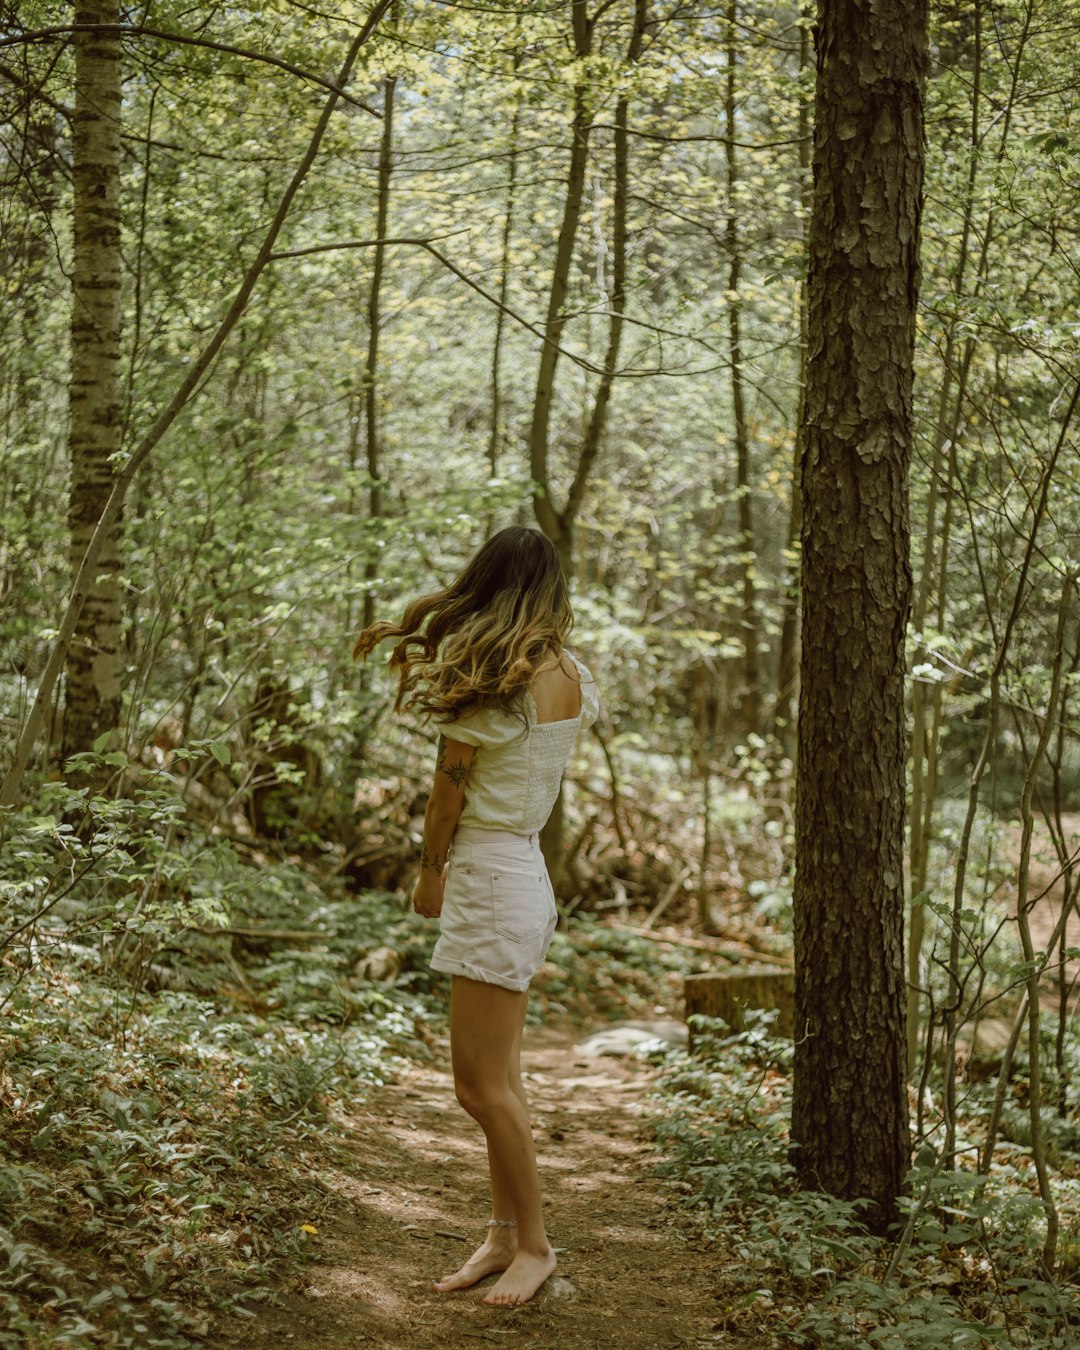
[(727, 994)]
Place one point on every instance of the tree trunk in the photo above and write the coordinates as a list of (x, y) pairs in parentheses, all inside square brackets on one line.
[(787, 678), (727, 994), (849, 1114), (750, 690), (371, 402), (498, 431), (551, 520), (548, 516), (95, 659), (558, 524)]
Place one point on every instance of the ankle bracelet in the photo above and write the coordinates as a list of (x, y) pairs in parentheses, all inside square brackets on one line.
[(502, 1223)]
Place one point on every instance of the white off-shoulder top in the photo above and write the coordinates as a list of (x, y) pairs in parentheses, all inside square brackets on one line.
[(516, 772)]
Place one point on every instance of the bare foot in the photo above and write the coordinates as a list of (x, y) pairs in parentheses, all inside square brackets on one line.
[(497, 1253), (524, 1276)]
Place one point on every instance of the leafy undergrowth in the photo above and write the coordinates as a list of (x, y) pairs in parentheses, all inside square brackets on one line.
[(182, 1021), (163, 1086), (967, 1271)]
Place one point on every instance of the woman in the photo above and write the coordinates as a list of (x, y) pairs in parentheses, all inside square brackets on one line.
[(485, 657)]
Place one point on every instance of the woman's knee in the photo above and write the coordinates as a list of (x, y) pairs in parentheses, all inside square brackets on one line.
[(478, 1098), (468, 1096)]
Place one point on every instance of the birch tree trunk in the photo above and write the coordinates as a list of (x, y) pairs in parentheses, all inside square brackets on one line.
[(94, 669), (849, 1115)]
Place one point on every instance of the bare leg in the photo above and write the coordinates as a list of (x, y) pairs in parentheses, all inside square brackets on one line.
[(497, 1251), (485, 1034), (502, 1205)]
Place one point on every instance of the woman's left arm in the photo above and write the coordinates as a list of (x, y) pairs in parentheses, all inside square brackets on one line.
[(440, 821)]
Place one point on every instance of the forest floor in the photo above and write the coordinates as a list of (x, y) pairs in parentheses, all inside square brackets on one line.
[(407, 1202)]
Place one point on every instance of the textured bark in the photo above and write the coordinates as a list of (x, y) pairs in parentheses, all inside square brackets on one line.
[(849, 1117), (95, 658)]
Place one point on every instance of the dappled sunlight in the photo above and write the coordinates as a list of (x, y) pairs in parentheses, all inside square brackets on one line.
[(410, 1205)]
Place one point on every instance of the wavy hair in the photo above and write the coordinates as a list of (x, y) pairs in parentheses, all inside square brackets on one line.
[(482, 640)]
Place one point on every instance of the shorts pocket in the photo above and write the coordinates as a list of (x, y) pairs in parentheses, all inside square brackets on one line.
[(520, 902)]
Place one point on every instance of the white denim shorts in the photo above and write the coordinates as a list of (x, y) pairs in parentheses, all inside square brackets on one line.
[(498, 915)]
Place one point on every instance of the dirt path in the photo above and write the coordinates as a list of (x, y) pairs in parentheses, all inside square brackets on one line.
[(412, 1174)]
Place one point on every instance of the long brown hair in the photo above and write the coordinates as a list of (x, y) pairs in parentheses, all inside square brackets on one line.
[(482, 640)]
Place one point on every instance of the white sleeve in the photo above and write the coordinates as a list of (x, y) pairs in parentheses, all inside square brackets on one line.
[(590, 694), (484, 727)]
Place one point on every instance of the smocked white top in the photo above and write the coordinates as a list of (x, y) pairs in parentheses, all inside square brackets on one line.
[(515, 774)]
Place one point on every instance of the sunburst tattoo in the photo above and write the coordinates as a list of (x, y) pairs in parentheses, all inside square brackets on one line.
[(458, 773)]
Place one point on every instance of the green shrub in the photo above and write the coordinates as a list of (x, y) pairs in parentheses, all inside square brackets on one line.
[(966, 1273)]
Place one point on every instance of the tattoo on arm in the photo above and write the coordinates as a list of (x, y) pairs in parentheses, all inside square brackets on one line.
[(458, 772)]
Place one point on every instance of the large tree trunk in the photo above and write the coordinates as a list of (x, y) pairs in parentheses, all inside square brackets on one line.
[(849, 1116), (95, 659)]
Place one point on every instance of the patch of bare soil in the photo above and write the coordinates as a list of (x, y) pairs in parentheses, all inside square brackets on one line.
[(409, 1202)]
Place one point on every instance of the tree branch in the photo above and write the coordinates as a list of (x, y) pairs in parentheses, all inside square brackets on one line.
[(183, 39), (581, 361)]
